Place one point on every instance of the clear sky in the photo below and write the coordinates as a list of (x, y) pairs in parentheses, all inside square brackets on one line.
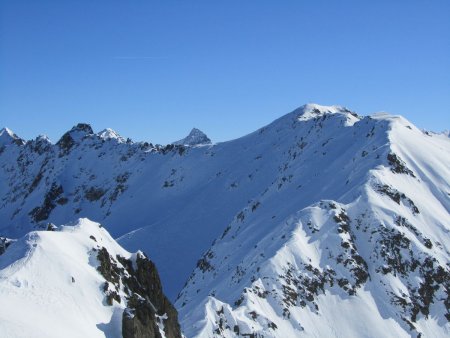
[(152, 70)]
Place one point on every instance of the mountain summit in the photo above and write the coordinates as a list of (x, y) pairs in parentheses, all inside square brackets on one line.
[(322, 223), (8, 137), (196, 137)]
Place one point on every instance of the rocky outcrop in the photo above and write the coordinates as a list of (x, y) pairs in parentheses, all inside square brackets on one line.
[(52, 197), (70, 138), (4, 243), (195, 137), (148, 311)]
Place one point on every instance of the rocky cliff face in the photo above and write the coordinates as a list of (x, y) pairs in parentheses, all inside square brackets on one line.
[(148, 312)]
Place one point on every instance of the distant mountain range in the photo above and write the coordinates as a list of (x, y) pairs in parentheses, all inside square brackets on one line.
[(322, 224)]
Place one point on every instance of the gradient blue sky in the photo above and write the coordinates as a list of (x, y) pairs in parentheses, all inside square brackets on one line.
[(152, 70)]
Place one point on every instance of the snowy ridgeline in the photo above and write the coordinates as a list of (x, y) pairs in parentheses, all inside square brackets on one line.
[(76, 281), (323, 223)]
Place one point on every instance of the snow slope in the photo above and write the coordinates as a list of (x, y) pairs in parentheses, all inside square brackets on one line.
[(370, 257), (323, 223), (50, 284), (180, 197)]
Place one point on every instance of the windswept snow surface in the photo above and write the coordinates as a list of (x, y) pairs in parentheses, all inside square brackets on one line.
[(76, 281), (50, 287), (323, 223)]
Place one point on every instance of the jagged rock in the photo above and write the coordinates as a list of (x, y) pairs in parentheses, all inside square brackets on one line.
[(51, 198), (398, 165), (40, 145), (82, 127), (138, 321), (4, 244), (145, 299), (195, 137), (70, 138), (94, 194)]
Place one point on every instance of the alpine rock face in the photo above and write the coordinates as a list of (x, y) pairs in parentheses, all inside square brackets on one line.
[(323, 223)]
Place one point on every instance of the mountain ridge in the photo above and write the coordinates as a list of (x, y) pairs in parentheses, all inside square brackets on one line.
[(310, 174)]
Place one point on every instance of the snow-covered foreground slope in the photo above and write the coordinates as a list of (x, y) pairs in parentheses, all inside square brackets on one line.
[(75, 282), (323, 223)]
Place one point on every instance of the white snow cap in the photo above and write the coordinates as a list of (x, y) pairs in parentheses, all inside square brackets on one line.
[(313, 110), (7, 131), (195, 137), (43, 137), (8, 137), (110, 134)]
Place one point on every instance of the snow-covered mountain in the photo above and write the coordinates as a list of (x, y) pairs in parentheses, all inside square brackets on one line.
[(323, 223), (76, 281)]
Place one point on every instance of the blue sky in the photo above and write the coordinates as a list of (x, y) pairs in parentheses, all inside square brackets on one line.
[(152, 70)]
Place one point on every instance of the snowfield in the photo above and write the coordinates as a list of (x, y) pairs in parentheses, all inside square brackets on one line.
[(322, 224), (52, 285)]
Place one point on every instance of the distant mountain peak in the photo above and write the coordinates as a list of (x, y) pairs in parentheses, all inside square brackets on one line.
[(82, 127), (195, 137), (74, 136), (43, 138), (79, 131), (7, 131), (110, 134), (7, 137)]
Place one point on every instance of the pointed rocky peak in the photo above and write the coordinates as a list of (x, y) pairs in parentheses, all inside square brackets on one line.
[(110, 134), (43, 139), (6, 131), (73, 136), (40, 144), (83, 127), (8, 137), (195, 137), (80, 130)]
